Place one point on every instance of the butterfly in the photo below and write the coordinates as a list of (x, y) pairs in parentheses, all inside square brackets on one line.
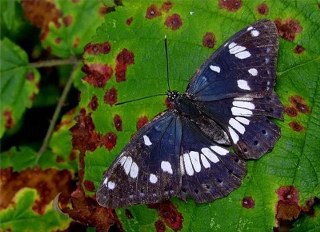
[(197, 148)]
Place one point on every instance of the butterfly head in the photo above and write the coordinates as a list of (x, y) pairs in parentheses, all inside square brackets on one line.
[(172, 95)]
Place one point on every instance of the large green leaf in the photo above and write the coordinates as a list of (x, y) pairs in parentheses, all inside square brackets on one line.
[(73, 27), (137, 30), (18, 84), (21, 217)]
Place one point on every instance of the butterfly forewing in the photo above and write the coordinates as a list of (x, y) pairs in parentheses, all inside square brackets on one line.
[(244, 66), (147, 169)]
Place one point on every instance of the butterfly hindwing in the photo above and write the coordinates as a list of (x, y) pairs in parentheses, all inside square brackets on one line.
[(209, 170), (147, 169), (244, 66)]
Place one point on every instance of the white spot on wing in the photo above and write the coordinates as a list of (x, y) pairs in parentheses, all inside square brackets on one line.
[(219, 150), (255, 33), (237, 49), (181, 165), (134, 170), (111, 185), (231, 45), (147, 140), (195, 160), (243, 120), (243, 104), (166, 167), (253, 71), (234, 135), (204, 161), (105, 181), (249, 28), (236, 111), (188, 165), (210, 155), (215, 68), (243, 84), (127, 165), (243, 55), (123, 160), (237, 125), (153, 178), (243, 98)]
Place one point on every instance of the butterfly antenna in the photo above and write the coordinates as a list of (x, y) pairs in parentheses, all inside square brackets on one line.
[(142, 98), (167, 60)]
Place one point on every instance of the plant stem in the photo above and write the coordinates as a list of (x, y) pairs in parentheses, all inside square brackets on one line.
[(50, 63), (56, 114)]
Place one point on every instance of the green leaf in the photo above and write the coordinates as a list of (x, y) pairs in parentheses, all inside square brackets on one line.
[(75, 28), (295, 159), (59, 155), (21, 217), (18, 84), (308, 223)]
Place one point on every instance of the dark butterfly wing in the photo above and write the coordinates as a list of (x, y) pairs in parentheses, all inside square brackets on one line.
[(244, 66), (147, 169), (209, 170), (235, 89), (246, 121)]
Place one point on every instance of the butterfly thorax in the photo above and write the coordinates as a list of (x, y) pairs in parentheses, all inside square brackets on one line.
[(183, 104)]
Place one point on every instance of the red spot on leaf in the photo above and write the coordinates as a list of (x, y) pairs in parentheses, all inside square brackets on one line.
[(291, 111), (67, 20), (248, 202), (41, 14), (288, 203), (152, 12), (129, 21), (93, 104), (73, 155), (87, 211), (174, 22), (96, 48), (263, 9), (110, 96), (141, 122), (300, 104), (48, 183), (59, 159), (105, 47), (169, 214), (288, 28), (30, 76), (124, 58), (8, 120), (298, 49), (84, 136), (89, 185), (128, 214), (103, 10), (109, 140), (296, 126), (160, 226), (57, 40), (230, 5), (97, 74), (117, 122), (166, 6), (209, 40)]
